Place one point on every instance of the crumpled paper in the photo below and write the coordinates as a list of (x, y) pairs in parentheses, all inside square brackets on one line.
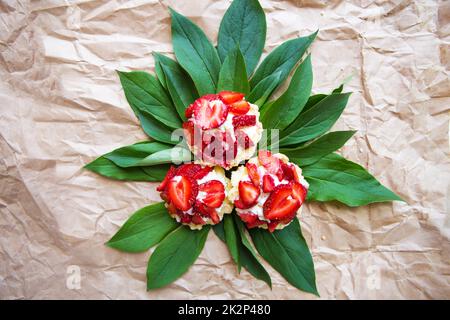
[(62, 106)]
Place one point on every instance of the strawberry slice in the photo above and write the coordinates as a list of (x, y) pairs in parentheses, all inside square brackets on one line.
[(248, 217), (170, 174), (271, 226), (172, 209), (188, 130), (188, 169), (271, 163), (181, 192), (240, 107), (255, 224), (185, 218), (248, 193), (299, 192), (288, 171), (252, 170), (280, 204), (268, 183), (215, 193), (197, 219), (244, 121), (240, 205), (209, 114), (243, 139), (189, 111), (202, 173), (230, 97), (206, 211)]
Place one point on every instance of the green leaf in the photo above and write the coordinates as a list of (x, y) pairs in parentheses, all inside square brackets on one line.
[(145, 93), (195, 53), (289, 105), (232, 239), (287, 252), (155, 129), (158, 70), (243, 25), (283, 59), (174, 255), (316, 121), (246, 253), (131, 156), (180, 86), (316, 98), (335, 178), (145, 228), (314, 151), (109, 169), (264, 89), (233, 76), (157, 172)]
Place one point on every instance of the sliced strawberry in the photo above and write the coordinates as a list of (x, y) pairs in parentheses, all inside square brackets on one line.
[(209, 114), (254, 224), (189, 111), (240, 107), (248, 193), (299, 192), (271, 226), (230, 97), (188, 169), (280, 204), (185, 218), (271, 163), (180, 191), (202, 173), (240, 205), (188, 129), (170, 174), (296, 176), (197, 219), (172, 209), (248, 217), (288, 171), (214, 217), (243, 139), (244, 121), (215, 193), (206, 211), (268, 183), (252, 170)]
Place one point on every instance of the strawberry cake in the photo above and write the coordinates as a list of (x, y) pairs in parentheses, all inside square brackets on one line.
[(222, 129), (196, 195), (268, 191)]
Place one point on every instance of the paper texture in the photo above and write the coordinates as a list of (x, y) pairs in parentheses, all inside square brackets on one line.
[(62, 106)]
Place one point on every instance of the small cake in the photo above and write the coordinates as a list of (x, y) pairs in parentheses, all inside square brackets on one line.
[(268, 191), (196, 195), (222, 129)]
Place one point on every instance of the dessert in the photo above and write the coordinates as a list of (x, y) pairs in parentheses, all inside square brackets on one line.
[(196, 195), (222, 129), (268, 191)]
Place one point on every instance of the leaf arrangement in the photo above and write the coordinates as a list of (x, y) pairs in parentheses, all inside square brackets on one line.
[(159, 102)]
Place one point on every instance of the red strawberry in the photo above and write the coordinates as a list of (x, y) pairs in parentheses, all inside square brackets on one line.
[(188, 129), (181, 192), (252, 170), (240, 205), (255, 224), (244, 121), (248, 193), (202, 172), (230, 97), (185, 218), (271, 226), (189, 111), (288, 171), (248, 217), (215, 193), (170, 174), (206, 211), (243, 139), (268, 183), (271, 163), (197, 219), (209, 114), (214, 217), (299, 192), (188, 169), (240, 107), (172, 209), (281, 205)]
